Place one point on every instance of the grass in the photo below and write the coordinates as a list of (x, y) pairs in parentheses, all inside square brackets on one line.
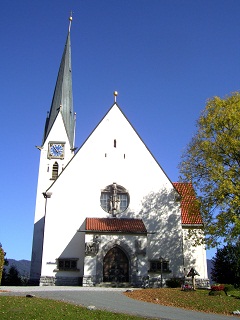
[(198, 300), (19, 308), (22, 308)]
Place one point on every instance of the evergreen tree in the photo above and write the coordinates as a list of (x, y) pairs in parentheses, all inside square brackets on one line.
[(226, 265), (12, 278), (4, 275)]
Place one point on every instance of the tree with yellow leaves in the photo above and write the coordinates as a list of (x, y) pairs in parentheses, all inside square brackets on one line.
[(2, 261), (211, 162)]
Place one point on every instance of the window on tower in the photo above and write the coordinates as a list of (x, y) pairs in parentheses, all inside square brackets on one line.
[(55, 171)]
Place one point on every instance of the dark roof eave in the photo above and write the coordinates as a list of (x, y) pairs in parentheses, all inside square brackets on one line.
[(191, 225), (113, 231)]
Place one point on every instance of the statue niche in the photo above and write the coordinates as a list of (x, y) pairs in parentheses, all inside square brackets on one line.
[(91, 248)]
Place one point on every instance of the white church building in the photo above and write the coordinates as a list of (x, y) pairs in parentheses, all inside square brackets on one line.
[(107, 213)]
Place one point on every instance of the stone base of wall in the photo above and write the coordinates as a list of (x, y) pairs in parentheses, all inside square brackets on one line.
[(91, 281), (155, 282), (88, 281), (136, 282), (202, 283), (47, 281), (68, 281), (60, 281)]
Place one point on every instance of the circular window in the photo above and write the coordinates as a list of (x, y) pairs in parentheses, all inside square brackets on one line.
[(114, 199)]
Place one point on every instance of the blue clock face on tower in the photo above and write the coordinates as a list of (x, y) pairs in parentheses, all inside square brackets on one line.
[(56, 150)]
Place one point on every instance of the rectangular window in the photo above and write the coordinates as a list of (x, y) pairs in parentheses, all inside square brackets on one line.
[(105, 201), (156, 266), (123, 201), (67, 264)]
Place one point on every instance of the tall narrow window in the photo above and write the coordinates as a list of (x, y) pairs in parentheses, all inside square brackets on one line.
[(55, 171), (115, 143)]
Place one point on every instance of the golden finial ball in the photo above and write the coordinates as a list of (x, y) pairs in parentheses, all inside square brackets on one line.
[(115, 93), (70, 18)]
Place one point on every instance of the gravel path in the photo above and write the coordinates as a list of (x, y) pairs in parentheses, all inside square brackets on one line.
[(112, 299)]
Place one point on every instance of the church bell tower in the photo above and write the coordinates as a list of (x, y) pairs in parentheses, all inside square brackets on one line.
[(56, 150)]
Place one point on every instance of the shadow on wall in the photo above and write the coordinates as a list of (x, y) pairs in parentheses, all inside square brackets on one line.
[(160, 213), (70, 265), (37, 250), (162, 217)]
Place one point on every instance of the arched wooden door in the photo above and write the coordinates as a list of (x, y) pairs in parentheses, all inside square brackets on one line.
[(115, 266)]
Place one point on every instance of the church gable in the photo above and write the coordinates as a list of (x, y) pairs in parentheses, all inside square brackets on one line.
[(116, 139), (113, 151), (112, 154)]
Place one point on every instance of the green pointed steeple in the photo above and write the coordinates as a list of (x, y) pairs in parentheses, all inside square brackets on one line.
[(62, 97)]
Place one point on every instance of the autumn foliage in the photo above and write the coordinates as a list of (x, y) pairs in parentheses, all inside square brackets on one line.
[(211, 162), (1, 262)]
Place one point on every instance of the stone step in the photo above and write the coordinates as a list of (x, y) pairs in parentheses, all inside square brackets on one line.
[(114, 285)]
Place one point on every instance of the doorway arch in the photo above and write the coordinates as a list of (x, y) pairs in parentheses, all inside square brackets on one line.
[(115, 266)]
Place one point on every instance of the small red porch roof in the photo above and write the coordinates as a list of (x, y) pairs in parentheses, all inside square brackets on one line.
[(189, 207), (115, 225)]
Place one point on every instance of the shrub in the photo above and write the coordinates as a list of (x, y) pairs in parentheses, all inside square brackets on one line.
[(216, 293), (219, 287), (228, 287), (218, 290)]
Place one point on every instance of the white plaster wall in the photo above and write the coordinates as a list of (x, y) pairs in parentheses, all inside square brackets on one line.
[(76, 193), (194, 256), (58, 133), (162, 217), (90, 265), (89, 260)]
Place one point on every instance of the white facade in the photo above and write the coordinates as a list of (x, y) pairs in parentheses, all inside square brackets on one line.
[(113, 153), (58, 134)]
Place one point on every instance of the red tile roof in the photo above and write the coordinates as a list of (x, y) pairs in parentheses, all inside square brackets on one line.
[(115, 225), (189, 206)]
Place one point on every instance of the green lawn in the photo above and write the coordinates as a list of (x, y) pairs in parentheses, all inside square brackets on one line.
[(22, 308)]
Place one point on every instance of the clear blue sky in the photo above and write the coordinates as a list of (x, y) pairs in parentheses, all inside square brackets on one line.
[(164, 57)]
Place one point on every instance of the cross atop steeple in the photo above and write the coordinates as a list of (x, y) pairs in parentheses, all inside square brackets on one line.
[(115, 93), (70, 21)]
